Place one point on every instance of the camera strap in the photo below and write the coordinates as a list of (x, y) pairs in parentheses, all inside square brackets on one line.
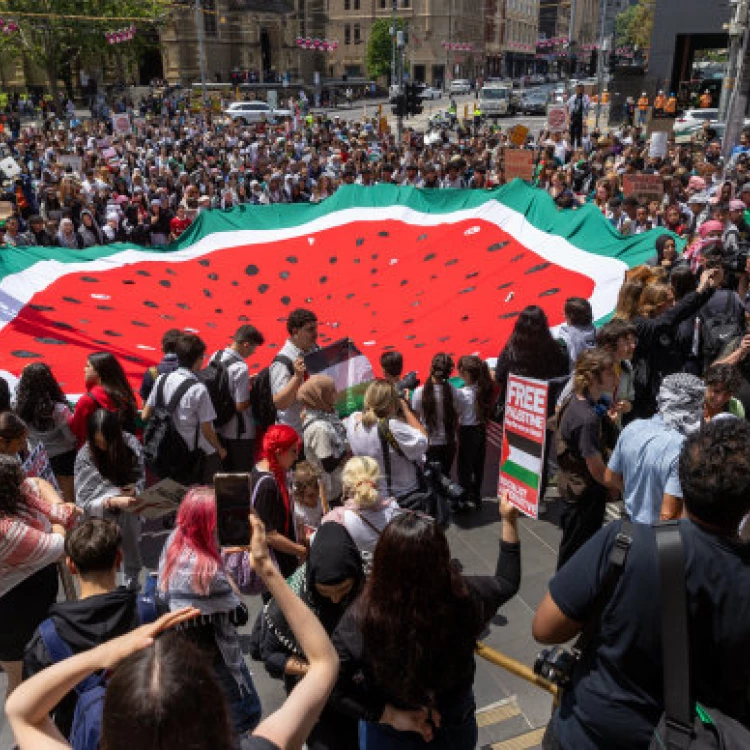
[(617, 557)]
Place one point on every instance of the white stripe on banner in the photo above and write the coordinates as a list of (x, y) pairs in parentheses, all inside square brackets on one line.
[(530, 463), (352, 372)]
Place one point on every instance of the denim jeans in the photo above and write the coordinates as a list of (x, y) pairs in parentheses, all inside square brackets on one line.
[(458, 731), (244, 703)]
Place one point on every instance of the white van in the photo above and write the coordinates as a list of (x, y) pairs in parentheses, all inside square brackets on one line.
[(494, 100), (460, 86)]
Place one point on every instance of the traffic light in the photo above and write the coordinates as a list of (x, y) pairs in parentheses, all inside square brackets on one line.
[(593, 60), (399, 106), (413, 101)]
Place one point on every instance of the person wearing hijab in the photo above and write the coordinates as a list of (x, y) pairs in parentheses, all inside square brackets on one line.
[(324, 435), (89, 231), (328, 583), (67, 236)]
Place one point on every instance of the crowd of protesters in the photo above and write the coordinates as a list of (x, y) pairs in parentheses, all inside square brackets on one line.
[(374, 632)]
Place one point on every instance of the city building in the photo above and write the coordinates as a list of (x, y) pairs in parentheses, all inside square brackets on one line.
[(521, 30)]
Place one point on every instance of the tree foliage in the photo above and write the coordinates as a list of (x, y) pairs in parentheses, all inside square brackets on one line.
[(379, 54), (633, 26)]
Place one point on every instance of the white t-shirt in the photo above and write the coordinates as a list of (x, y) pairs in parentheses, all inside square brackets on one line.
[(438, 437), (195, 407), (466, 405), (366, 442), (280, 376), (239, 387)]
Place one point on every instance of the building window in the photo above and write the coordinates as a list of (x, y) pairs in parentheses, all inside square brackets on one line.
[(357, 34), (209, 17), (383, 4), (406, 3), (356, 4), (347, 34), (347, 4)]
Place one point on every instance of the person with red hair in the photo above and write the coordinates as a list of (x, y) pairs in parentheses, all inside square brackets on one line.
[(280, 449), (191, 574)]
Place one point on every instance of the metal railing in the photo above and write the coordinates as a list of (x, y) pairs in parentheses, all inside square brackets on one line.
[(519, 669)]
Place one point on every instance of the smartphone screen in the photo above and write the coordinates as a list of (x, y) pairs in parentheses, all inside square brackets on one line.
[(232, 509)]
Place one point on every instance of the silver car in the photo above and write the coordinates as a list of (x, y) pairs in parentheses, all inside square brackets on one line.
[(252, 112)]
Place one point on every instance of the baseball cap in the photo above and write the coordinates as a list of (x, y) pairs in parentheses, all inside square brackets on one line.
[(736, 205)]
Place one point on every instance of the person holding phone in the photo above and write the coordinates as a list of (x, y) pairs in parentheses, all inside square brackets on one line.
[(192, 574), (109, 475)]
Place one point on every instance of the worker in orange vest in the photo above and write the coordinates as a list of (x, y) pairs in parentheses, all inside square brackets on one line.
[(659, 103), (670, 108), (705, 100), (642, 109), (605, 97)]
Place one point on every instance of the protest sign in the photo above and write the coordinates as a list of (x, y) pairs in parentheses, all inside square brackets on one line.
[(72, 161), (518, 163), (6, 209), (658, 146), (524, 433), (518, 135), (160, 499), (111, 156), (557, 118), (121, 124), (10, 167), (645, 187)]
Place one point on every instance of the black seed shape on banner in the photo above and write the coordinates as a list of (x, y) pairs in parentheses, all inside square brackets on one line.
[(72, 300), (106, 308), (219, 311), (333, 260), (25, 354), (83, 321), (367, 304), (357, 261), (467, 290), (183, 305), (517, 257), (164, 316), (204, 262), (549, 292), (464, 318), (373, 270), (262, 288), (404, 282), (497, 246), (284, 275), (505, 285), (472, 275), (286, 300), (170, 271), (207, 293), (112, 333), (248, 302), (291, 259), (166, 284), (443, 339), (384, 234), (323, 279), (539, 267), (374, 256), (507, 315), (360, 241), (133, 358), (418, 346), (484, 341), (350, 295), (139, 323), (329, 296), (375, 285), (235, 283), (451, 262), (252, 270), (62, 326), (213, 276), (45, 308), (100, 342), (210, 325), (473, 341), (411, 337), (422, 237), (89, 279), (48, 340), (148, 303), (429, 256), (433, 277), (143, 273), (243, 318), (130, 282)]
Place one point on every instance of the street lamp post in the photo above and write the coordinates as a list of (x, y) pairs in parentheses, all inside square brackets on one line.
[(201, 48), (600, 63)]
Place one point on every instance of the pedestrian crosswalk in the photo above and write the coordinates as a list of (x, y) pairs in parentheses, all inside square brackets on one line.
[(503, 726)]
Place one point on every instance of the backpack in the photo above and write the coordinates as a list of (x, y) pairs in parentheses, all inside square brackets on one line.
[(684, 725), (216, 379), (164, 449), (261, 396), (87, 718), (720, 332)]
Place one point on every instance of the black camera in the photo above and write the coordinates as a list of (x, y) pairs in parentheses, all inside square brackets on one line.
[(555, 664), (409, 382), (453, 492), (736, 262)]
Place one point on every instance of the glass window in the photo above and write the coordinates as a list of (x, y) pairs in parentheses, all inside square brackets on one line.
[(357, 34), (347, 34)]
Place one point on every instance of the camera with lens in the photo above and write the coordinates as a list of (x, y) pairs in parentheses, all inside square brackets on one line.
[(736, 262), (453, 492), (556, 665), (408, 383)]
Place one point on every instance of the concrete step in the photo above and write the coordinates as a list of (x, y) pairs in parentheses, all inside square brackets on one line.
[(503, 726)]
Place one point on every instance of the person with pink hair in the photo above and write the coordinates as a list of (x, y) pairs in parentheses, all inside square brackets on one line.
[(272, 502), (191, 574)]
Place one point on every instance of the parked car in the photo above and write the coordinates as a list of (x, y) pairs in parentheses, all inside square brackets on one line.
[(691, 120), (430, 93), (252, 112), (460, 86), (534, 102)]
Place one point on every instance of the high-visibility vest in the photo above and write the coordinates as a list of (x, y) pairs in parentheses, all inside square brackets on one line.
[(659, 102), (671, 106), (605, 97), (477, 112), (643, 102), (705, 100)]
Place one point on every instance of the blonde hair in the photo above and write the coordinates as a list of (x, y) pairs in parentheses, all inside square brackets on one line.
[(589, 367), (653, 297), (360, 479), (381, 402), (305, 475)]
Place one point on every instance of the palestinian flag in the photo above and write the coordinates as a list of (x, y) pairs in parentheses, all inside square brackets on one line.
[(350, 370), (417, 270), (521, 459)]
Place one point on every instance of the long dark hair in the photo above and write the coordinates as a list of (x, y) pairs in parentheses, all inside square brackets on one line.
[(477, 369), (11, 479), (37, 395), (440, 371), (531, 349), (158, 696), (118, 463), (115, 383), (413, 586)]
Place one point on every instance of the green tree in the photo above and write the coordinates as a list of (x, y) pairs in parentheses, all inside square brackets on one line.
[(379, 54), (633, 26), (54, 38)]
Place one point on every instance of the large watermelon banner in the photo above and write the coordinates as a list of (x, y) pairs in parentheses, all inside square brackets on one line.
[(421, 271)]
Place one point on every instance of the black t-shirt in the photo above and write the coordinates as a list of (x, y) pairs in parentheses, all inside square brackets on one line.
[(269, 505), (580, 428), (257, 743), (616, 697)]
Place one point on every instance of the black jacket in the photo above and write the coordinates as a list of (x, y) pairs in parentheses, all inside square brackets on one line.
[(357, 694), (82, 625)]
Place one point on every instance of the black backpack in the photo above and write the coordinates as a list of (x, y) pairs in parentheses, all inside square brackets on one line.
[(165, 451), (261, 396), (216, 379), (720, 332)]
